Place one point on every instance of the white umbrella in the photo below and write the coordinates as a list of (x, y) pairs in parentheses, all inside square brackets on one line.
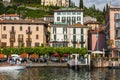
[(98, 52), (15, 55)]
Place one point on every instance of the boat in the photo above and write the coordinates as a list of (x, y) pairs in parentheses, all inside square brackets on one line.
[(13, 67)]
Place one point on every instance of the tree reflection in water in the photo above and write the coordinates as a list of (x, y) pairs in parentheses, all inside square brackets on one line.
[(49, 73)]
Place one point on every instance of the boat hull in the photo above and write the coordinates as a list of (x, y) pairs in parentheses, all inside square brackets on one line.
[(12, 67)]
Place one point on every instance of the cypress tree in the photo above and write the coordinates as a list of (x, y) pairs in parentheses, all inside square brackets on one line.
[(81, 4)]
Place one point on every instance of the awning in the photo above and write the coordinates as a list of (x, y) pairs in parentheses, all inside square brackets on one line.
[(98, 52)]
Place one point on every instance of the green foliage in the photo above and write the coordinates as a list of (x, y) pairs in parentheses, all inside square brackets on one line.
[(81, 4), (44, 50), (96, 13)]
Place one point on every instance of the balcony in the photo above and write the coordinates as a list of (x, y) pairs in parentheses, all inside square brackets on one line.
[(28, 32), (12, 31), (28, 39), (12, 39), (20, 39), (117, 37), (82, 41), (74, 41)]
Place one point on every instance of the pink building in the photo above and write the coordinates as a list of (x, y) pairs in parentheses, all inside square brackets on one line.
[(113, 30), (96, 40)]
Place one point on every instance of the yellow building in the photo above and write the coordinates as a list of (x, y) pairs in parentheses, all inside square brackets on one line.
[(19, 33), (55, 2)]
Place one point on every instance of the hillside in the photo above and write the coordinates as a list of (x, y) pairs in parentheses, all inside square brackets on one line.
[(38, 11)]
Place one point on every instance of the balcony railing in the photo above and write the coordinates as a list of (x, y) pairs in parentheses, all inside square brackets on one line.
[(29, 39), (28, 32), (117, 37), (20, 39), (82, 41), (74, 41), (12, 39), (12, 31)]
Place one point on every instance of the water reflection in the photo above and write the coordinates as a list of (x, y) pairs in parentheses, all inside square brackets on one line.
[(10, 74), (48, 73)]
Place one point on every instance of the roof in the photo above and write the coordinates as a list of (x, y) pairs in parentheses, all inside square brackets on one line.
[(11, 15), (100, 29), (21, 22), (91, 22), (114, 7), (68, 9), (78, 26)]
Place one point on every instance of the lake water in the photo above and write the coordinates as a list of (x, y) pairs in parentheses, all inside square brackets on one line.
[(49, 73)]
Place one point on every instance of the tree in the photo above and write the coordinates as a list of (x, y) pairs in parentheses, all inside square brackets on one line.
[(81, 4)]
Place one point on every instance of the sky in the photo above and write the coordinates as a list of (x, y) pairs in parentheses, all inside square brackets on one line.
[(98, 3)]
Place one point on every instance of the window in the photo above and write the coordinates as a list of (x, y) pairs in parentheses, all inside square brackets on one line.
[(12, 36), (68, 13), (68, 20), (78, 13), (64, 30), (64, 13), (117, 24), (20, 28), (63, 19), (12, 28), (54, 37), (37, 36), (20, 44), (58, 13), (54, 30), (4, 36), (58, 18), (78, 18), (73, 20), (37, 44), (74, 13), (29, 28), (65, 37), (4, 28), (82, 31), (118, 33), (37, 28), (74, 30), (20, 36), (11, 44), (74, 37), (82, 38), (117, 16)]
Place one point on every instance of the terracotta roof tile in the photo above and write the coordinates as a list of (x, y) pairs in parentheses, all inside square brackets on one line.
[(91, 22)]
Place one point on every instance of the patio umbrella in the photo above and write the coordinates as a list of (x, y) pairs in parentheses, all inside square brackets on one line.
[(15, 55), (56, 54), (65, 55)]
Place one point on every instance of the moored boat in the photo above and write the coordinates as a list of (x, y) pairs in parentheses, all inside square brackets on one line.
[(16, 67)]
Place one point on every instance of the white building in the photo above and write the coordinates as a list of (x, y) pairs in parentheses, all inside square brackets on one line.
[(68, 16), (68, 29), (69, 36)]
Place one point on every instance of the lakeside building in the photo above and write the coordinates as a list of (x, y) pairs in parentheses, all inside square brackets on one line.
[(64, 3), (68, 29), (96, 35), (68, 16), (113, 30), (19, 33), (96, 40), (69, 36)]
